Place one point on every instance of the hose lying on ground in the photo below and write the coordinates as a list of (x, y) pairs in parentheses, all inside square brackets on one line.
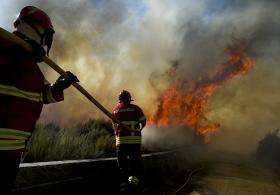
[(188, 179)]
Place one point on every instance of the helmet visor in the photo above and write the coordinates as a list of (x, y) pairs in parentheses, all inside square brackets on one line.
[(48, 36)]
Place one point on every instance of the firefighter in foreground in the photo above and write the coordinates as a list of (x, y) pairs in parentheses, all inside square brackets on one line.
[(128, 142), (24, 90)]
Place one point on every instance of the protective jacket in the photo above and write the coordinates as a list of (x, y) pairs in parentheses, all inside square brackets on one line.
[(132, 116), (23, 91)]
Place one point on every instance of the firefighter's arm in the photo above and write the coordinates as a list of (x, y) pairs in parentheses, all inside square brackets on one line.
[(12, 42), (115, 126), (62, 83), (10, 48), (8, 40), (143, 124), (142, 119), (6, 43), (54, 93), (50, 95)]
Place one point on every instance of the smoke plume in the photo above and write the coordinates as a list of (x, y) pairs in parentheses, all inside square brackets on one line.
[(115, 45)]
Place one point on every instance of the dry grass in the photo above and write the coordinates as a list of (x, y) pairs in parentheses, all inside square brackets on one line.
[(85, 140)]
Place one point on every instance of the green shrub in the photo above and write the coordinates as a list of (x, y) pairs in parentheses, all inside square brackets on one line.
[(94, 138)]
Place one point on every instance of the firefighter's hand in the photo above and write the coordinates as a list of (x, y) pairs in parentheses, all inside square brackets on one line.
[(63, 83), (38, 50), (135, 130), (138, 128), (115, 126)]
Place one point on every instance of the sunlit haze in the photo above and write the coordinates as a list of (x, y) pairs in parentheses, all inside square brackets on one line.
[(115, 45)]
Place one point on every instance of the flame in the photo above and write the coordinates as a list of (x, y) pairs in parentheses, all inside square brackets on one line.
[(180, 106)]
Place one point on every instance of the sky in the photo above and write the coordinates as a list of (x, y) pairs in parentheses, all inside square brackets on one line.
[(122, 44)]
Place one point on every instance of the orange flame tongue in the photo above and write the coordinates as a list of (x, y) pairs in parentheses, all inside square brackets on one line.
[(188, 107)]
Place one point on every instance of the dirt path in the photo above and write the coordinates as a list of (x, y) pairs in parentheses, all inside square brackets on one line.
[(236, 179)]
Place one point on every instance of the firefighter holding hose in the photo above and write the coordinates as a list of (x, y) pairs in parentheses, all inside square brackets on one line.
[(24, 90), (128, 140)]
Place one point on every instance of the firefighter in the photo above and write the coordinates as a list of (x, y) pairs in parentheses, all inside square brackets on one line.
[(24, 90), (128, 142)]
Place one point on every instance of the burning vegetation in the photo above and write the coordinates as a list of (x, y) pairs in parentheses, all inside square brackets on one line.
[(188, 106)]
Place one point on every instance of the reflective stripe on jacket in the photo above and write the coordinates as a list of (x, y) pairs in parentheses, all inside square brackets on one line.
[(13, 139), (128, 140)]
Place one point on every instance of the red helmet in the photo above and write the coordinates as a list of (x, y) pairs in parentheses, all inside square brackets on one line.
[(124, 96), (34, 17), (31, 14)]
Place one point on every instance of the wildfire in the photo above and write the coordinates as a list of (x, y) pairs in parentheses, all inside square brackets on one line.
[(180, 106)]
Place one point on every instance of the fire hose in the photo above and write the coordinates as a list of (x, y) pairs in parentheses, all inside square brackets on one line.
[(190, 175), (24, 45)]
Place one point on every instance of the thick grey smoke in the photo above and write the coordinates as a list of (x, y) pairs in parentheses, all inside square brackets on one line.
[(105, 43), (246, 107), (118, 44)]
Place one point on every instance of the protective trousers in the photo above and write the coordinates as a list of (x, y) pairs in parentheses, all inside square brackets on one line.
[(129, 160), (9, 166)]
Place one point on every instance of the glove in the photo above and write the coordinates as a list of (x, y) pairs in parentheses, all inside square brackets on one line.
[(62, 83), (38, 50)]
